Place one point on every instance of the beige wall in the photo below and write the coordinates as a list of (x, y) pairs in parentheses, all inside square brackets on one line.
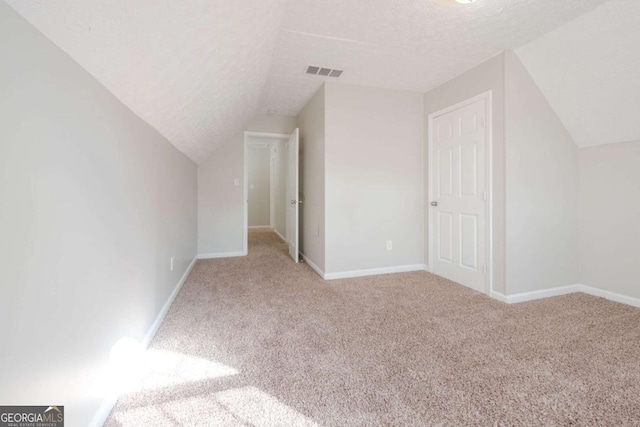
[(94, 203), (259, 174), (610, 218), (220, 201), (373, 169), (542, 189), (311, 122), (486, 76)]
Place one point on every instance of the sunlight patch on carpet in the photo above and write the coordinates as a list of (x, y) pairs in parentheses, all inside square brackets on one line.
[(133, 369), (234, 407)]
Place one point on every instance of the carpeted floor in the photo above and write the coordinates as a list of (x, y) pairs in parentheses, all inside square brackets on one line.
[(261, 341)]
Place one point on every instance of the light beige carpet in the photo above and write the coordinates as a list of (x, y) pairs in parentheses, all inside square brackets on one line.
[(261, 341)]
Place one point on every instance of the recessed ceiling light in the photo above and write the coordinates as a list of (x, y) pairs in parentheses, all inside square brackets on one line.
[(465, 1)]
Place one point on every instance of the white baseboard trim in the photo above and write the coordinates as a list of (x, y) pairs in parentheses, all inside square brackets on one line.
[(103, 412), (564, 290), (107, 406), (165, 308), (534, 295), (222, 255), (361, 273), (499, 296), (313, 266), (260, 227), (611, 296), (280, 235), (374, 271)]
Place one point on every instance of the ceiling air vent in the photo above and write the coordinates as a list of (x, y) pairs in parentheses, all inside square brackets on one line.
[(324, 71)]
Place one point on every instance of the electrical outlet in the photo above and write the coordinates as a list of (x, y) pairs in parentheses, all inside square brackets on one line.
[(236, 182), (389, 245), (171, 263)]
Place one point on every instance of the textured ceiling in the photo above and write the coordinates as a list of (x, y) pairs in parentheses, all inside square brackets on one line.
[(194, 70), (199, 70), (400, 44), (589, 71)]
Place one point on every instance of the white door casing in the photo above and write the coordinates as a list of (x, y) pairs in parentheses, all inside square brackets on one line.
[(459, 180), (293, 194)]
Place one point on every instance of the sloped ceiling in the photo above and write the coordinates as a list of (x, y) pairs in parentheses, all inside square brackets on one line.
[(404, 44), (199, 70), (589, 70), (194, 70)]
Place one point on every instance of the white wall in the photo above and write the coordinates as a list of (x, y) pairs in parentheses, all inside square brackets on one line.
[(373, 192), (588, 70), (542, 188), (535, 178), (94, 203), (220, 202), (259, 174), (610, 218), (311, 122), (486, 76)]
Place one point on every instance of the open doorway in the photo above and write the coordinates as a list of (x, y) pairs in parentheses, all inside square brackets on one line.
[(271, 186), (266, 178)]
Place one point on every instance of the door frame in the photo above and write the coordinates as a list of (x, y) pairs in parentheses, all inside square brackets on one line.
[(245, 178), (488, 99)]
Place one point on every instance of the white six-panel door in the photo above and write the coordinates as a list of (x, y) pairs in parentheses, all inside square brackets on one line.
[(458, 194)]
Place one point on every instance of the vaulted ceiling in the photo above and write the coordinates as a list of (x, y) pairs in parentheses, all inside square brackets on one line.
[(402, 44), (199, 70), (589, 71), (193, 69)]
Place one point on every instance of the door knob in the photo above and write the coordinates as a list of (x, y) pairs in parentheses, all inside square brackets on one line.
[(293, 202), (434, 203)]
